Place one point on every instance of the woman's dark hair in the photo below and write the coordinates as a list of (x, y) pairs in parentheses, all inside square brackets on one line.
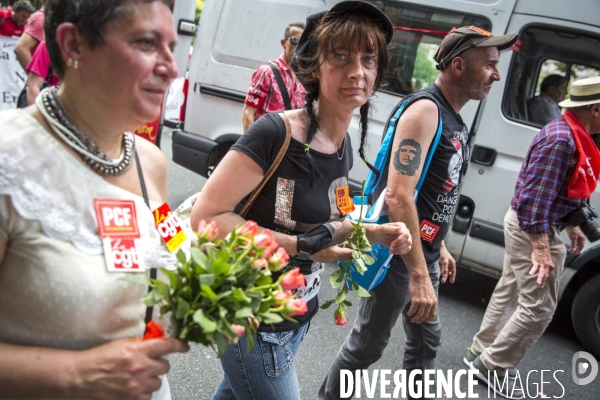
[(353, 31), (89, 16)]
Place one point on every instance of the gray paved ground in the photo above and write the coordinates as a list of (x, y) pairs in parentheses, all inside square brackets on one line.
[(195, 375)]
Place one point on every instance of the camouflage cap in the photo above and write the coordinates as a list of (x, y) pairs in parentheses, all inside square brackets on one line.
[(468, 37)]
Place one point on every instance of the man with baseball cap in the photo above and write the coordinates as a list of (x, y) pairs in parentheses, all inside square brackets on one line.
[(558, 176), (467, 59)]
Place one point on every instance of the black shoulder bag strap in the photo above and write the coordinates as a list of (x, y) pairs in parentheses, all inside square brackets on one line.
[(284, 93), (145, 194)]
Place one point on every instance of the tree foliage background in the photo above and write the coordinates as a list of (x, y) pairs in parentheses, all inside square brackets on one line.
[(199, 7)]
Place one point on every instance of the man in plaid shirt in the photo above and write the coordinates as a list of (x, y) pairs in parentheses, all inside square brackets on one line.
[(264, 95), (558, 176)]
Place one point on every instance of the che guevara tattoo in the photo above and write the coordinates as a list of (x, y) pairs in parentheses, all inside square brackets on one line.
[(408, 157)]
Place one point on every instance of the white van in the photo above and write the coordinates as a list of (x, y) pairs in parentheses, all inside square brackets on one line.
[(236, 36)]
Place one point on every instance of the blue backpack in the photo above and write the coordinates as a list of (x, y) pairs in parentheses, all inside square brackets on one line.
[(375, 213)]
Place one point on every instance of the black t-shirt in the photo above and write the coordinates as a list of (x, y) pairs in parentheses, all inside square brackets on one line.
[(288, 203), (439, 194)]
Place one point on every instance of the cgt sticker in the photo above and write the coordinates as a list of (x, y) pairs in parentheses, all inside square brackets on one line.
[(169, 227), (428, 230), (122, 255)]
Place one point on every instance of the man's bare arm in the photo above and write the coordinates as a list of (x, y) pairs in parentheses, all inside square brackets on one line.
[(414, 133), (23, 49), (248, 116)]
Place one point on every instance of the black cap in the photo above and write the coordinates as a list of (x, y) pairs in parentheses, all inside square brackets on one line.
[(468, 37), (307, 41)]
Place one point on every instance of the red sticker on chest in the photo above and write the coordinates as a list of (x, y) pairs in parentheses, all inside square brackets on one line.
[(122, 255), (169, 227), (428, 230), (116, 218)]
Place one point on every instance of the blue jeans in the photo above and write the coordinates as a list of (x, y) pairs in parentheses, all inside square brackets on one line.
[(267, 372), (377, 315)]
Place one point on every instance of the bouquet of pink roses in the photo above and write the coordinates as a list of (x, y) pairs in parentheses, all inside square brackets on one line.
[(225, 288)]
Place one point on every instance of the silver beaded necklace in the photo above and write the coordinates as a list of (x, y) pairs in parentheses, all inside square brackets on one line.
[(54, 111)]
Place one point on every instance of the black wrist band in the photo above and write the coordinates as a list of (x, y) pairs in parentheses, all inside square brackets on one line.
[(315, 240)]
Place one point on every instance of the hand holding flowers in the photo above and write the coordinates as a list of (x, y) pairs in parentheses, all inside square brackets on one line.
[(393, 235), (225, 289)]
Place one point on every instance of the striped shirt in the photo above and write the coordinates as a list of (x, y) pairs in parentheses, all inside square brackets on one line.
[(540, 197)]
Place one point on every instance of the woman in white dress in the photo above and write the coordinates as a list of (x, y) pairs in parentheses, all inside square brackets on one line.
[(68, 323)]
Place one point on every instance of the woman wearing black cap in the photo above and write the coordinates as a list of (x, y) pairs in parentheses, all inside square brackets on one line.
[(340, 60)]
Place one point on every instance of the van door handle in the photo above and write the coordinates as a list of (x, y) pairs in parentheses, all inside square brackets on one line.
[(186, 27), (483, 155)]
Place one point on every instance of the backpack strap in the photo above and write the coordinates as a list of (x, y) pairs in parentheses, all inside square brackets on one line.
[(383, 155), (284, 93), (384, 152)]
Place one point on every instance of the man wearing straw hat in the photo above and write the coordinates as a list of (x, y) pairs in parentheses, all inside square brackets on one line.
[(558, 176)]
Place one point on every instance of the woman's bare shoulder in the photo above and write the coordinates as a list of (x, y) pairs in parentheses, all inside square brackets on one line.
[(154, 164)]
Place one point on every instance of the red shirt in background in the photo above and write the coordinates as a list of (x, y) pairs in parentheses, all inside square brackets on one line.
[(9, 27), (40, 64)]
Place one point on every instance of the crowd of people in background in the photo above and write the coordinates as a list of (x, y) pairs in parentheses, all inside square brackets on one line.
[(23, 21)]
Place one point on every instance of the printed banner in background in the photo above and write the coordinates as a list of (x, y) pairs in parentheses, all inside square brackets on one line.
[(175, 99), (12, 76), (149, 131)]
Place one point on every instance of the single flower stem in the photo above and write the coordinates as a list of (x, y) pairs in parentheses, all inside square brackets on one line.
[(259, 288), (243, 255), (362, 201)]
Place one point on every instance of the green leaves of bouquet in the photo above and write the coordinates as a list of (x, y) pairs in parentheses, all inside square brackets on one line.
[(342, 279), (225, 288)]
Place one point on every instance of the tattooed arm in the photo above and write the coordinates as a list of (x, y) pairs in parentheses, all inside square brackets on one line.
[(414, 134)]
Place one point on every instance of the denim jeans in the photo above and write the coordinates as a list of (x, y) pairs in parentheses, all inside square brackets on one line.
[(372, 328), (267, 372)]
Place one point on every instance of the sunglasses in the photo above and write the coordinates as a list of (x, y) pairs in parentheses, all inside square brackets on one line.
[(294, 41)]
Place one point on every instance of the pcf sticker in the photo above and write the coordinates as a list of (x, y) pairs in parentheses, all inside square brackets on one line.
[(116, 218), (428, 230)]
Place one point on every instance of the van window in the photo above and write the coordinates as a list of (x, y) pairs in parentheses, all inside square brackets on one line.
[(550, 54), (418, 31)]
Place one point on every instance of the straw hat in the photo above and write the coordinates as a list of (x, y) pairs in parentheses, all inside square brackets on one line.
[(583, 92)]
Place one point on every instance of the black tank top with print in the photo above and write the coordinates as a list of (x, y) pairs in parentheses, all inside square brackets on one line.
[(437, 199)]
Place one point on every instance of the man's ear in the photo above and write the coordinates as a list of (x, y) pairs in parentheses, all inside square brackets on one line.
[(282, 41), (458, 65)]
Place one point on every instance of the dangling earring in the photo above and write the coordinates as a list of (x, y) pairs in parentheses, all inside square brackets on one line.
[(76, 64), (69, 62)]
